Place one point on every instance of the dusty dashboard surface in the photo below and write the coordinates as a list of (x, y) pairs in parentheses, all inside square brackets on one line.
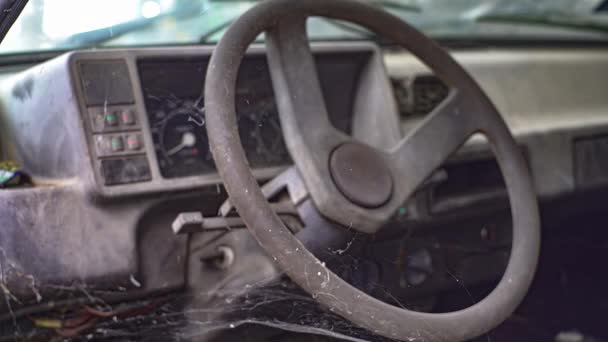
[(147, 130)]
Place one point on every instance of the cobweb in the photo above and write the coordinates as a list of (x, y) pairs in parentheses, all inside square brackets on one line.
[(282, 306), (275, 311)]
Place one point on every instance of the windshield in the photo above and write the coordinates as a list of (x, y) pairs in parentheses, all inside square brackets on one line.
[(67, 24)]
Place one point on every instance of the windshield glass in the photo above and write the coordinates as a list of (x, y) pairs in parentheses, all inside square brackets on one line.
[(68, 24)]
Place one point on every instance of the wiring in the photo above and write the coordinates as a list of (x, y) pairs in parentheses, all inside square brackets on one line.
[(86, 317), (66, 304)]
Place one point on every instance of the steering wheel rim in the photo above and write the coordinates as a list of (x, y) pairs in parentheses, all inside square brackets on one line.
[(297, 262)]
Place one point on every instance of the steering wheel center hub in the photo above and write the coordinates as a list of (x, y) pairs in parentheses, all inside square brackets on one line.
[(361, 175)]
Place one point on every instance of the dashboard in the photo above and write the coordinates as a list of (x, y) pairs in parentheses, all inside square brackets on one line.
[(144, 117), (115, 139), (131, 122)]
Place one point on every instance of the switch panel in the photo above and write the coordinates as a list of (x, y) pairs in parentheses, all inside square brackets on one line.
[(113, 118), (114, 127)]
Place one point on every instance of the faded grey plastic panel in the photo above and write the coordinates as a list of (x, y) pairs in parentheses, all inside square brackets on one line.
[(549, 98), (41, 125)]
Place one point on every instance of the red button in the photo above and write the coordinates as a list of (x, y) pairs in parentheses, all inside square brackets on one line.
[(133, 142), (128, 117)]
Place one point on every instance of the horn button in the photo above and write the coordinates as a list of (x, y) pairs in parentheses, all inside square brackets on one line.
[(361, 175)]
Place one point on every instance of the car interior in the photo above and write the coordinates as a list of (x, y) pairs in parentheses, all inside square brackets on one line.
[(303, 170)]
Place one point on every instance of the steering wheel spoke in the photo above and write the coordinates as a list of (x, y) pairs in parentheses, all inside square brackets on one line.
[(298, 93), (422, 151)]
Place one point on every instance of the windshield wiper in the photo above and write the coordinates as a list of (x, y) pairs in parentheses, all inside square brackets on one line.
[(102, 35), (579, 23), (99, 36), (206, 37), (395, 5), (364, 33)]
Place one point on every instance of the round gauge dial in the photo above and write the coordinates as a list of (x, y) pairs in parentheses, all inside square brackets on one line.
[(181, 143)]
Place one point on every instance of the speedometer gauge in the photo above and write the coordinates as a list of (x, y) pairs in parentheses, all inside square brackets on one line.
[(181, 144), (175, 110)]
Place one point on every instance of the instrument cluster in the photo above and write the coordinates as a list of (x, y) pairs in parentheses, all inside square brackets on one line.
[(175, 108)]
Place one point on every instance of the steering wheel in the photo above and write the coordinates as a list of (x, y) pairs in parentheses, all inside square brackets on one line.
[(352, 183)]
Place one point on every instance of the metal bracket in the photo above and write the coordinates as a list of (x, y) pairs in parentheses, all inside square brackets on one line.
[(195, 222), (289, 179)]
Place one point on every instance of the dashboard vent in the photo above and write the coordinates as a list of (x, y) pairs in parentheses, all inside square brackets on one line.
[(418, 95)]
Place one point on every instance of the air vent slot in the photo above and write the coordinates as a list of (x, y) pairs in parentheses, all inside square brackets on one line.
[(418, 95)]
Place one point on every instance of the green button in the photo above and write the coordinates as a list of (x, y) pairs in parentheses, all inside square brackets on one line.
[(117, 144), (111, 119)]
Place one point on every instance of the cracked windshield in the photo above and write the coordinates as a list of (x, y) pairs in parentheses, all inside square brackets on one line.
[(199, 170)]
